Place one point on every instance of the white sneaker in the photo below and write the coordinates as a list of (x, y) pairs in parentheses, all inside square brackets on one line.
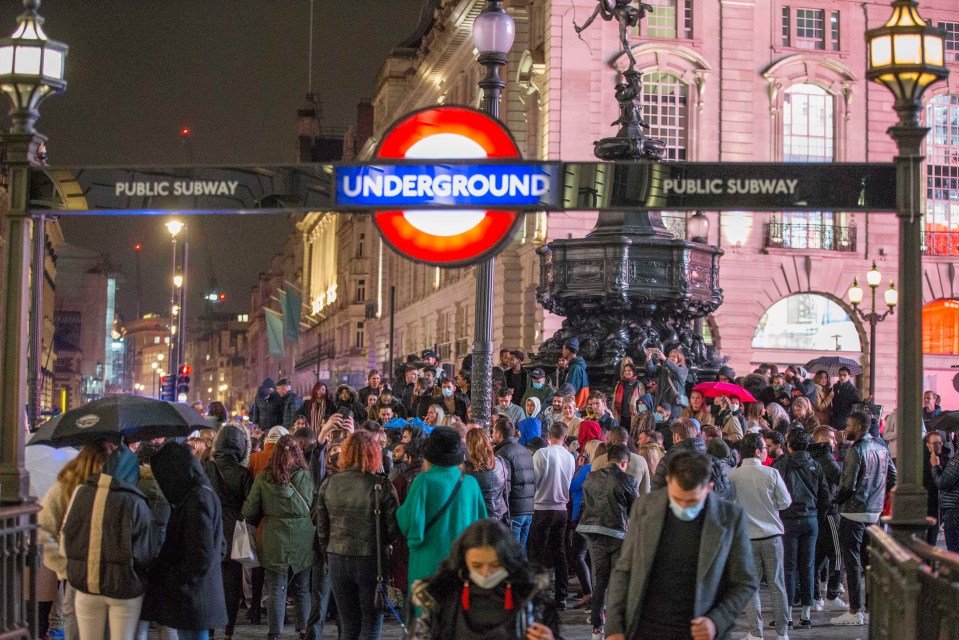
[(836, 604), (849, 618), (597, 634), (782, 637), (819, 605), (750, 636), (842, 589)]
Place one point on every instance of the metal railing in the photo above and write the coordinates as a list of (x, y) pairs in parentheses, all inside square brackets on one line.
[(19, 559), (913, 589), (801, 235), (940, 243)]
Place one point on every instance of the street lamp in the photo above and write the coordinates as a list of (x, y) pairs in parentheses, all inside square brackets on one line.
[(177, 294), (906, 56), (697, 228), (493, 34), (31, 69), (873, 278)]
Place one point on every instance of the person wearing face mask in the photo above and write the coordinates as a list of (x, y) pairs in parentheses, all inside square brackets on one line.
[(484, 590), (762, 493), (454, 403), (728, 420), (539, 389), (654, 590), (663, 424)]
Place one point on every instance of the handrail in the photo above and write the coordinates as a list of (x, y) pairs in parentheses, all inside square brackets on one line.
[(18, 546)]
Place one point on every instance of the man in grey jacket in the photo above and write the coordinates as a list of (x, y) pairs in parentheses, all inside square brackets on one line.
[(654, 591)]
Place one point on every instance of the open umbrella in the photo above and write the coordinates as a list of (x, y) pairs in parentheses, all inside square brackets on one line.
[(131, 418), (44, 463), (946, 421), (716, 389), (832, 364)]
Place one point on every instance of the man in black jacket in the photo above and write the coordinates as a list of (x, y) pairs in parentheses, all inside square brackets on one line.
[(608, 495), (686, 437), (828, 552), (844, 396), (868, 475), (946, 477), (809, 491), (934, 445), (522, 480), (267, 411)]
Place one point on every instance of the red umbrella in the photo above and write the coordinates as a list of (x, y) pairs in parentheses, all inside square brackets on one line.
[(716, 389)]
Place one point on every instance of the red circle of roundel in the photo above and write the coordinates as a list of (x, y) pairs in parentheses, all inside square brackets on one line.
[(491, 232)]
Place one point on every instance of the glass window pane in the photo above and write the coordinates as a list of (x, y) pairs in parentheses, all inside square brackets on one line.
[(665, 109), (807, 322)]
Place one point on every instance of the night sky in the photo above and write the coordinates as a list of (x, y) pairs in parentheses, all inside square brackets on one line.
[(234, 72)]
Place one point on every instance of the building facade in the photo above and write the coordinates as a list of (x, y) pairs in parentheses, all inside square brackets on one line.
[(148, 349), (770, 81), (218, 353)]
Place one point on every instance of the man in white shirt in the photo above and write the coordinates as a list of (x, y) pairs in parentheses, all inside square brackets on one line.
[(762, 494), (553, 469)]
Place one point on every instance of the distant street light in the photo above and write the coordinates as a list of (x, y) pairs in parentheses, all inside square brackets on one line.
[(174, 227), (873, 278), (177, 282)]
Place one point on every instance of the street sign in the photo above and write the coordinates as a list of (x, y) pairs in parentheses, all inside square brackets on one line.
[(443, 238)]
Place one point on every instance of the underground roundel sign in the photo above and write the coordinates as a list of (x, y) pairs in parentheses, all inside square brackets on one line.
[(452, 237)]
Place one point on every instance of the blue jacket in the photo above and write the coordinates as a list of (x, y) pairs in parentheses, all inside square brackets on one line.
[(576, 376)]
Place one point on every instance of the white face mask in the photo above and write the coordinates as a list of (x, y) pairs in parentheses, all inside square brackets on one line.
[(490, 581)]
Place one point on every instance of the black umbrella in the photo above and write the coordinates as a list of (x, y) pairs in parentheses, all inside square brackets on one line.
[(131, 418), (831, 365), (946, 421)]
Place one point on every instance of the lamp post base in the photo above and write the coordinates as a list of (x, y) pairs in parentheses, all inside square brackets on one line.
[(908, 517)]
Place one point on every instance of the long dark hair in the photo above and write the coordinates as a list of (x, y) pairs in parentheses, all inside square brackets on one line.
[(218, 411), (286, 458), (316, 396), (484, 533)]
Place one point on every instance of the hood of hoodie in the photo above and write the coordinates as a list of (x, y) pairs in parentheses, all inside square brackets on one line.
[(123, 465), (696, 443), (354, 396), (266, 387), (588, 430), (539, 406), (577, 360), (177, 472), (820, 449), (231, 445)]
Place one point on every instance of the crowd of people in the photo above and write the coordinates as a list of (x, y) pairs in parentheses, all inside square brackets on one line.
[(390, 501)]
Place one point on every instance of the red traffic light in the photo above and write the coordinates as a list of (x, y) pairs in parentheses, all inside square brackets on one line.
[(185, 132), (137, 246), (185, 370), (222, 297)]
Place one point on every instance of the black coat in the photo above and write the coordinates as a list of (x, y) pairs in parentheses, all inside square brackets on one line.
[(608, 496), (947, 481), (344, 513), (929, 482), (822, 453), (495, 485), (186, 585), (806, 483), (722, 486), (846, 395), (229, 478), (267, 411), (522, 479)]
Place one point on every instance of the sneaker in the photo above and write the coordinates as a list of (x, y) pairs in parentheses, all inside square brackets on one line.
[(849, 618), (819, 605), (772, 625), (805, 624), (842, 589), (561, 605), (836, 604), (784, 636), (750, 636), (597, 634)]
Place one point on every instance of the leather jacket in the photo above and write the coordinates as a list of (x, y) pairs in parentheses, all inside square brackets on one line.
[(806, 483), (522, 480), (608, 496), (344, 516), (822, 453), (494, 483), (868, 474)]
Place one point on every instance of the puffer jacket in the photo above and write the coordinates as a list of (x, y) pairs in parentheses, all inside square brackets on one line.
[(231, 481), (822, 453), (522, 480), (608, 496), (947, 481), (722, 486), (494, 483), (868, 474), (115, 562), (186, 584), (343, 513), (806, 483), (267, 411)]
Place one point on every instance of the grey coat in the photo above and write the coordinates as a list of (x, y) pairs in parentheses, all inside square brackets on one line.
[(725, 577)]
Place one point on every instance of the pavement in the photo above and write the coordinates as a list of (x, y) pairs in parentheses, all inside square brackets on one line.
[(575, 626)]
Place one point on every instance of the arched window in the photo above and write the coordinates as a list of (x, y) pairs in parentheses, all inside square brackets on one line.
[(940, 327), (942, 176), (665, 109), (807, 322)]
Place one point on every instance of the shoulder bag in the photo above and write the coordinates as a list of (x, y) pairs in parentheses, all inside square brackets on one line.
[(449, 501)]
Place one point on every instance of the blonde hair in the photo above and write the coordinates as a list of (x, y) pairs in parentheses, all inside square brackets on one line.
[(480, 450), (440, 414), (589, 449), (804, 403), (201, 451), (88, 463), (681, 356)]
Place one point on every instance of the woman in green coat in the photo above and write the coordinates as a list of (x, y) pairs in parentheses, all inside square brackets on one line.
[(429, 537), (280, 498)]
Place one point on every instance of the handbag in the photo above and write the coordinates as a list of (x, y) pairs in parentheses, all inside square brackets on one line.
[(244, 545), (386, 598), (681, 398)]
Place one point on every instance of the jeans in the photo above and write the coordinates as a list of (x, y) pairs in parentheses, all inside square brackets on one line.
[(320, 587), (547, 547), (855, 555), (354, 585), (520, 526), (577, 558), (94, 611), (799, 547), (828, 558), (275, 584), (603, 552), (950, 522), (232, 591), (189, 634), (768, 557)]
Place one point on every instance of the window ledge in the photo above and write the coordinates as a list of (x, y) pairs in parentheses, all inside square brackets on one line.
[(821, 253)]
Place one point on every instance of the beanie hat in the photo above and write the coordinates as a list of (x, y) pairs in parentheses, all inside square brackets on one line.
[(444, 448), (717, 448), (274, 434)]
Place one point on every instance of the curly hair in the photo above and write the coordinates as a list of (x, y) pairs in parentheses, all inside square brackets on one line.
[(479, 448), (361, 451), (286, 458)]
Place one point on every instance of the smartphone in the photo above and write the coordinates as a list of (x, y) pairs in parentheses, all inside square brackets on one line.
[(346, 413)]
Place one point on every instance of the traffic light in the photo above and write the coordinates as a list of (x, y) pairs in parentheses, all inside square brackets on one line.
[(183, 383), (166, 388)]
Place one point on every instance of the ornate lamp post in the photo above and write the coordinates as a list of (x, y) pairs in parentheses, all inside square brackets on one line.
[(906, 55), (31, 69), (175, 227), (493, 34), (873, 278)]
